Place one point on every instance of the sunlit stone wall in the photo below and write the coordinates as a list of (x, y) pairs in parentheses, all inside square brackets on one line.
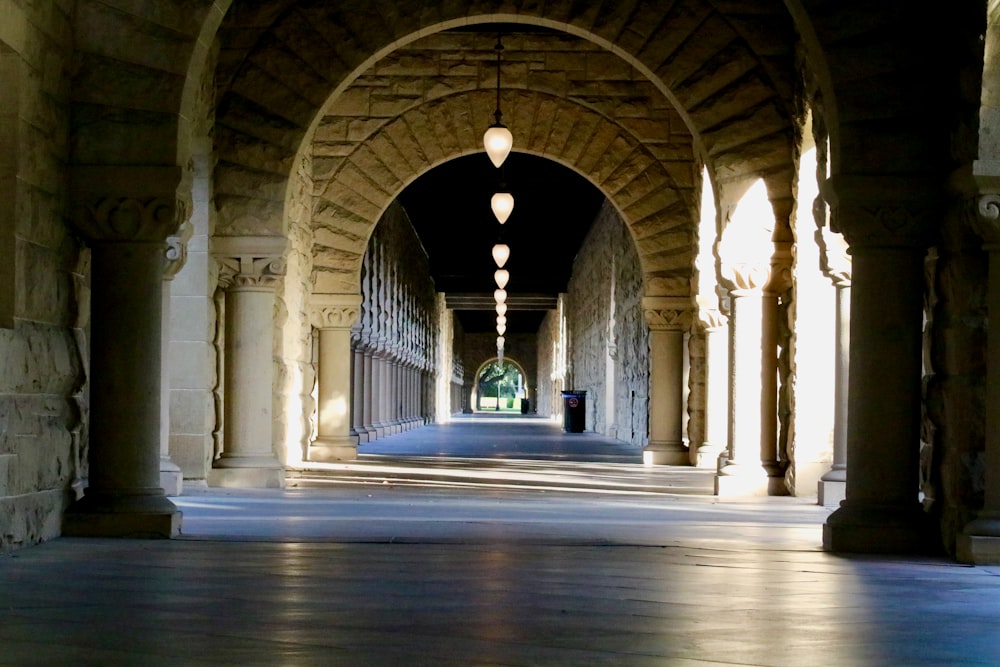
[(609, 338), (43, 351)]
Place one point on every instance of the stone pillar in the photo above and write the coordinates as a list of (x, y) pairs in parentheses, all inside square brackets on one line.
[(171, 477), (740, 470), (380, 402), (250, 269), (668, 318), (334, 315), (369, 433), (128, 253), (358, 392), (886, 223), (778, 282), (979, 542), (832, 488), (714, 326)]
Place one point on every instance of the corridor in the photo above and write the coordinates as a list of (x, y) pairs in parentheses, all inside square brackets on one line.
[(384, 566)]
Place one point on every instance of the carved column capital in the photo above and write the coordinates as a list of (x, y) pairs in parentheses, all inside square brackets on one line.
[(664, 313), (249, 261), (126, 203), (835, 261), (711, 319), (129, 219), (885, 211), (335, 311)]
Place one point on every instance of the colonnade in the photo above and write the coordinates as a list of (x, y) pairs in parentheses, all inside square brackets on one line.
[(385, 354)]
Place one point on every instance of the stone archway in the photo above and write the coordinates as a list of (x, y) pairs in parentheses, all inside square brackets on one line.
[(484, 365)]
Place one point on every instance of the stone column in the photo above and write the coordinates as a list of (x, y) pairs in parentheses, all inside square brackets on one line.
[(832, 486), (380, 399), (250, 269), (714, 327), (778, 282), (886, 223), (668, 318), (358, 392), (334, 315), (740, 469), (979, 542), (369, 433), (171, 477), (128, 253)]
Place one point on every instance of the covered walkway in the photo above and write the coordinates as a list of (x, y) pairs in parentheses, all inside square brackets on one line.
[(380, 564)]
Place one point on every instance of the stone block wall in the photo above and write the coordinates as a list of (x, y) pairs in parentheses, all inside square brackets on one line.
[(43, 329), (607, 333)]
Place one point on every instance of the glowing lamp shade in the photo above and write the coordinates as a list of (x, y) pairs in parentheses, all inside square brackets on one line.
[(499, 342), (501, 309), (502, 204), (501, 276), (501, 329), (501, 253), (501, 319), (500, 295), (498, 141)]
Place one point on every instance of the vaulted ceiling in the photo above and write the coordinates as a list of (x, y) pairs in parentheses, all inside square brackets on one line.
[(623, 100)]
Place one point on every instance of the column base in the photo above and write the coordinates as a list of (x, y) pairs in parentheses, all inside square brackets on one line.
[(979, 543), (144, 514), (877, 530), (326, 450), (247, 472), (736, 480), (830, 493), (665, 454), (706, 456), (171, 478)]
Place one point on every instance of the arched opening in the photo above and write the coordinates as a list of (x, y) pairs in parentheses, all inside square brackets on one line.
[(501, 387)]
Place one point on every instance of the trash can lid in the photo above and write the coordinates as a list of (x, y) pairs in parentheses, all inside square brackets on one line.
[(573, 392)]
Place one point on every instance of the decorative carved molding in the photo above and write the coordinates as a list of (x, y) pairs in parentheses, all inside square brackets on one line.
[(668, 313), (984, 217), (250, 271), (127, 219), (711, 319), (885, 211), (835, 261), (748, 276), (249, 261), (335, 311), (176, 253)]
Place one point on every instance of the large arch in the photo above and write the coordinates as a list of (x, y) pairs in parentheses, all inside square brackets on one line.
[(738, 114), (659, 212)]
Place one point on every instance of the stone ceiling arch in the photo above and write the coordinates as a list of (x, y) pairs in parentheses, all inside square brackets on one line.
[(272, 85), (657, 204)]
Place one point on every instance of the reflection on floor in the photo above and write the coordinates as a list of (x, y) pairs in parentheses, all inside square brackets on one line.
[(383, 571)]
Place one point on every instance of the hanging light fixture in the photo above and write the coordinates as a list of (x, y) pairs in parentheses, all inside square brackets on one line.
[(501, 329), (501, 276), (502, 204), (501, 253), (501, 319), (498, 140), (499, 342), (500, 295), (501, 308)]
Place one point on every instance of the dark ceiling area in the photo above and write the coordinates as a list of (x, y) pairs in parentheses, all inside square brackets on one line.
[(449, 207)]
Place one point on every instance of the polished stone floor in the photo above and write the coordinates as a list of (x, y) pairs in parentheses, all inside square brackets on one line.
[(393, 568)]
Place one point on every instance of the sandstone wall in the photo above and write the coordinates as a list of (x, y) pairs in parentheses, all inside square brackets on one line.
[(608, 335), (551, 365), (43, 338)]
